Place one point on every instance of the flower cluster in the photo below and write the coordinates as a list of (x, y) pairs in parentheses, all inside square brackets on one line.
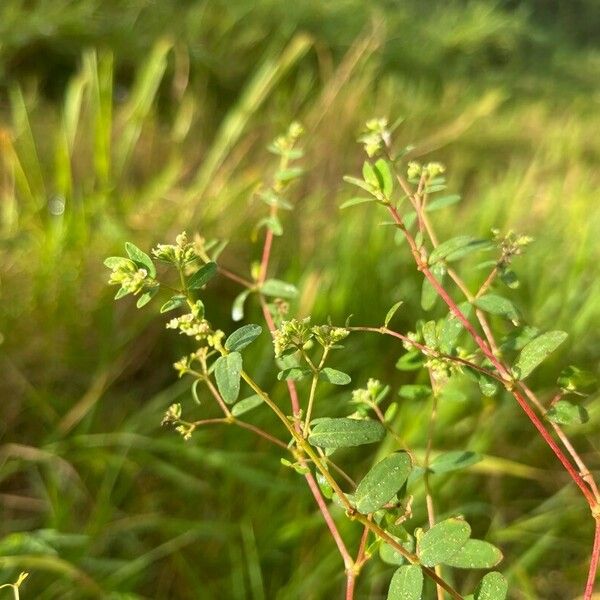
[(430, 171), (132, 278), (284, 144), (295, 334), (180, 253), (328, 335), (376, 136)]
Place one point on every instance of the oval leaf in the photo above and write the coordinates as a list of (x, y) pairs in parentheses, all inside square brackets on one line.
[(227, 374), (246, 405), (536, 351), (334, 376), (566, 413), (172, 303), (242, 337), (344, 432), (492, 587), (452, 461), (442, 541), (140, 258), (428, 293), (382, 482), (475, 554), (237, 308), (391, 313), (293, 374), (497, 305), (456, 248), (279, 289), (202, 276), (406, 584)]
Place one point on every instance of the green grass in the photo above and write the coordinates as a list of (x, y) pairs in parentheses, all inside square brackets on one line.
[(96, 499)]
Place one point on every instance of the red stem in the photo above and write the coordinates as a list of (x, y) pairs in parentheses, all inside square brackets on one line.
[(589, 586)]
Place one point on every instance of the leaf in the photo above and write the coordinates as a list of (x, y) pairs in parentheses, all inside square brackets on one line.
[(237, 308), (278, 288), (242, 337), (414, 391), (442, 202), (195, 392), (406, 584), (344, 432), (369, 175), (456, 248), (172, 303), (391, 313), (272, 223), (450, 328), (358, 183), (140, 258), (509, 278), (390, 555), (492, 587), (536, 351), (289, 174), (115, 262), (384, 176), (382, 482), (293, 374), (428, 292), (146, 297), (228, 370), (334, 376), (411, 361), (442, 541), (475, 554), (577, 381), (202, 276), (497, 305), (566, 413), (246, 405), (452, 461), (356, 200)]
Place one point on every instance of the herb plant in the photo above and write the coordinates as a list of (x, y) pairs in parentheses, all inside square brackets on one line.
[(466, 342)]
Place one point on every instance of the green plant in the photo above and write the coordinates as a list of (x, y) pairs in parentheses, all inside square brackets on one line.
[(464, 343)]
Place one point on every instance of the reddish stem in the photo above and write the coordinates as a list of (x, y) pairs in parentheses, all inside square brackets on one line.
[(589, 586)]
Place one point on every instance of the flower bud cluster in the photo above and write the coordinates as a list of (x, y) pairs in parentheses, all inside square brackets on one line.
[(376, 136), (297, 333), (130, 277), (180, 253), (431, 170)]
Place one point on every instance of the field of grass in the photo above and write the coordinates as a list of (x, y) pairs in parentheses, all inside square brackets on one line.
[(139, 126)]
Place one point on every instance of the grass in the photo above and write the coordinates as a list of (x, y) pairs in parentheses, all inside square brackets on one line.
[(97, 500)]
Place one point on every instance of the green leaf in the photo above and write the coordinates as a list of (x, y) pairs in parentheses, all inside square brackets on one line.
[(237, 308), (140, 258), (442, 202), (509, 278), (456, 248), (566, 413), (334, 376), (358, 183), (411, 361), (293, 374), (195, 391), (497, 305), (442, 541), (242, 337), (428, 292), (344, 432), (452, 461), (492, 587), (576, 381), (536, 351), (384, 177), (414, 391), (369, 175), (390, 313), (355, 201), (475, 554), (406, 584), (202, 276), (121, 292), (172, 303), (280, 289), (390, 555), (272, 223), (450, 328), (115, 262), (382, 482), (246, 405), (146, 297), (228, 369), (289, 174)]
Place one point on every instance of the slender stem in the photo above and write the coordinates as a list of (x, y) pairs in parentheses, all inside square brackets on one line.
[(231, 275), (487, 283), (217, 396), (233, 421), (313, 389), (589, 586)]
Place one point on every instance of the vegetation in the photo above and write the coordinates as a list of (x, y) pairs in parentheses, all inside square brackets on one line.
[(98, 500)]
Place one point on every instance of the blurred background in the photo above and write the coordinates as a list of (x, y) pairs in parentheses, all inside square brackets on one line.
[(133, 120)]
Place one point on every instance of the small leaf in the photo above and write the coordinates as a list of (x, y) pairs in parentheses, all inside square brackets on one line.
[(492, 587), (414, 391), (289, 174), (140, 258), (475, 554), (566, 413), (390, 555), (509, 278), (411, 361), (293, 374), (536, 351), (390, 313), (450, 328), (456, 248), (576, 381), (406, 584), (202, 276), (172, 303), (442, 202), (442, 541), (497, 305), (355, 201), (242, 337), (334, 376), (452, 461), (146, 297), (344, 432), (384, 176), (280, 289), (228, 369), (246, 405), (382, 482), (369, 175), (358, 183), (115, 262), (272, 223), (195, 392), (237, 308), (121, 292), (428, 292)]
